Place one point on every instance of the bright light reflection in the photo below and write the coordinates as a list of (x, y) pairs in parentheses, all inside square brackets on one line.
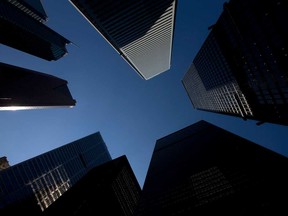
[(15, 108), (50, 186)]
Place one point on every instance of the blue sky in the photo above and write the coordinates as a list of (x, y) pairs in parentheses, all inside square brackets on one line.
[(131, 113)]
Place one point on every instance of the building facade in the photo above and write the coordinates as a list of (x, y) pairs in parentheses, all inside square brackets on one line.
[(23, 28), (242, 65), (33, 185), (140, 31), (205, 170), (108, 189), (22, 88)]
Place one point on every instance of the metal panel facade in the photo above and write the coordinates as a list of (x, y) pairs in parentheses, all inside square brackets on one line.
[(140, 31)]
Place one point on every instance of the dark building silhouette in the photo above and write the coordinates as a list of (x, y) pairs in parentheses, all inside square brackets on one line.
[(23, 28), (241, 68), (21, 88), (140, 31), (33, 185), (108, 189), (4, 163), (205, 170)]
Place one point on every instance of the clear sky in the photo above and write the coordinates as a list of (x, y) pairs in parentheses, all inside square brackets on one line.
[(131, 113)]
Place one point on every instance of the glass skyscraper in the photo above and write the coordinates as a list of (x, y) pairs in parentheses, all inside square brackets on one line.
[(22, 89), (203, 169), (23, 28), (36, 183), (211, 85), (108, 189), (140, 31), (241, 69)]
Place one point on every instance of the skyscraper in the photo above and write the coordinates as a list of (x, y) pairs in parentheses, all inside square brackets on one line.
[(108, 189), (33, 185), (23, 28), (21, 88), (205, 170), (241, 68), (140, 31)]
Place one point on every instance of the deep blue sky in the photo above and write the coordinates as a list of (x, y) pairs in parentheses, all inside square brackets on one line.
[(130, 113)]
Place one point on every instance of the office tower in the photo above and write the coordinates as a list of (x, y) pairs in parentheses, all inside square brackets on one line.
[(23, 27), (203, 169), (241, 68), (33, 185), (109, 189), (21, 89), (140, 31)]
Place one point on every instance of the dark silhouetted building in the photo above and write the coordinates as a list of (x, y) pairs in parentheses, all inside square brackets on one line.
[(4, 163), (140, 31), (33, 185), (241, 68), (203, 169), (23, 28), (21, 89), (108, 189)]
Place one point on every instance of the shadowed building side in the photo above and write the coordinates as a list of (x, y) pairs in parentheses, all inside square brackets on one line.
[(32, 7), (33, 185), (242, 65), (22, 88), (23, 29), (205, 170), (109, 189), (140, 31)]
